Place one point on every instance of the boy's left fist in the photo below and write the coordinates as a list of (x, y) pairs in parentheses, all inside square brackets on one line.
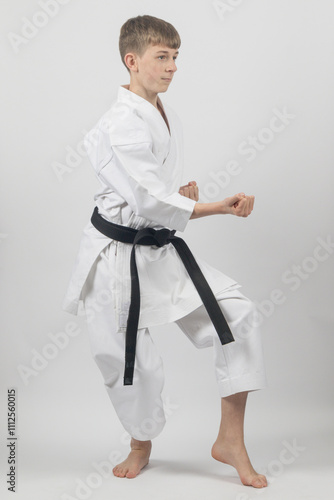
[(239, 205), (190, 190)]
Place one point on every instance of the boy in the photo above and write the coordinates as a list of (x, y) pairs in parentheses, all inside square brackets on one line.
[(136, 151)]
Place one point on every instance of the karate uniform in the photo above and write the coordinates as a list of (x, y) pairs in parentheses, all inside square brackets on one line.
[(138, 159)]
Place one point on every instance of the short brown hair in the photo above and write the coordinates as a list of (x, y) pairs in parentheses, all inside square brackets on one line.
[(139, 32)]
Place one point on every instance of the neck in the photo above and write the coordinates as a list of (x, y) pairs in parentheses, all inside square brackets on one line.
[(151, 97)]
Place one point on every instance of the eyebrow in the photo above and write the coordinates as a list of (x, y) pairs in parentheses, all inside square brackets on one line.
[(166, 52)]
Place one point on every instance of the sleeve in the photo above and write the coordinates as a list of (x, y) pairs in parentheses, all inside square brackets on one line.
[(133, 173)]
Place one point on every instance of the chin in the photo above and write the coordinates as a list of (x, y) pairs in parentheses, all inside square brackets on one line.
[(165, 86)]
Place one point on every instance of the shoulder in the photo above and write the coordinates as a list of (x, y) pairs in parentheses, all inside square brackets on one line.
[(124, 125)]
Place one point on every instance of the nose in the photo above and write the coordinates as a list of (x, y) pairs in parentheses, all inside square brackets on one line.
[(172, 67)]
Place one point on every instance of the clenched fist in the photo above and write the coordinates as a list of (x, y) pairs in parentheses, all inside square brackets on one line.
[(239, 205), (190, 190)]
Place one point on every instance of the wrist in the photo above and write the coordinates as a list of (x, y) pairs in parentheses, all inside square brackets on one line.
[(204, 209), (224, 208)]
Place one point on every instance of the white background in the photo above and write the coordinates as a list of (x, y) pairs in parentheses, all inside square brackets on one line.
[(235, 69)]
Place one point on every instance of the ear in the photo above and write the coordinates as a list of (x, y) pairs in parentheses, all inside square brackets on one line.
[(131, 61)]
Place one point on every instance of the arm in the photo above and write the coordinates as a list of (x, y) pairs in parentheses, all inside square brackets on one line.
[(239, 205), (133, 173)]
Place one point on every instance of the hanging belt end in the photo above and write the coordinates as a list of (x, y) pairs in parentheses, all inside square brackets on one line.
[(128, 372), (228, 337)]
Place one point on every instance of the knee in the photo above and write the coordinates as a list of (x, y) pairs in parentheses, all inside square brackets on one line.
[(247, 320)]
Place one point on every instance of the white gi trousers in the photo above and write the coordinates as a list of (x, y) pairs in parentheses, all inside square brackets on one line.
[(239, 365)]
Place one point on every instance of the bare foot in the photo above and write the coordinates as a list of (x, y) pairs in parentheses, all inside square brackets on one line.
[(137, 459), (237, 456)]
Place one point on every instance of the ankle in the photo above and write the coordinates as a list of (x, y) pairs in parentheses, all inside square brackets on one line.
[(230, 441), (140, 445)]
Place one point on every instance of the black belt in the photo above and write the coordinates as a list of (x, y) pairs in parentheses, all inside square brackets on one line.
[(158, 237)]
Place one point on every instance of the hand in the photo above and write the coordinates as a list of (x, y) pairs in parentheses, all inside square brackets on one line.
[(190, 190), (239, 205)]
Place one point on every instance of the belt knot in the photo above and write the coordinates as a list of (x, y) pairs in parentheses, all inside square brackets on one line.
[(151, 236), (162, 236)]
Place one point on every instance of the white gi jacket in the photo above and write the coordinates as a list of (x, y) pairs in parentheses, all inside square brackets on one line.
[(139, 164)]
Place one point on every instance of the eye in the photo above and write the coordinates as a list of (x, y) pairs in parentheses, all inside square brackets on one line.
[(163, 57)]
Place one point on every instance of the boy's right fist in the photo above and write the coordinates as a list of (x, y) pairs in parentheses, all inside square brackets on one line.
[(190, 190)]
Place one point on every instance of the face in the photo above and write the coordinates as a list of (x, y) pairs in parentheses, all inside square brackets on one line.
[(156, 68)]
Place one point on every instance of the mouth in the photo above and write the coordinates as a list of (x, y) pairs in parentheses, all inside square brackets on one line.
[(167, 79)]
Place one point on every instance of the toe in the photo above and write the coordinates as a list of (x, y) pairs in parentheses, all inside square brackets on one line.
[(119, 472), (259, 482), (131, 474)]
